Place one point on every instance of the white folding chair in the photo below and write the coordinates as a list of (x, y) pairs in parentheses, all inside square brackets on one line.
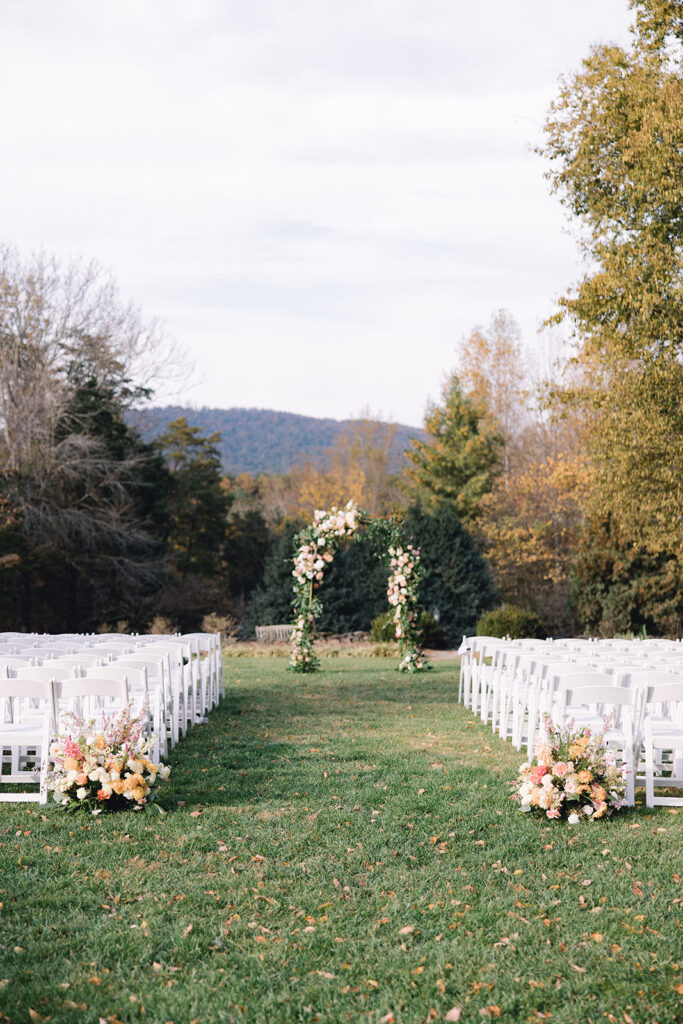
[(182, 682), (26, 736), (158, 669), (89, 698), (81, 660), (621, 707), (154, 725), (663, 740)]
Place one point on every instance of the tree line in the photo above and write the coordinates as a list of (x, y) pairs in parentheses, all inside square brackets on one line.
[(552, 479)]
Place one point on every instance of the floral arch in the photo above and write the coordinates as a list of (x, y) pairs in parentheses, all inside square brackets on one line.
[(316, 546)]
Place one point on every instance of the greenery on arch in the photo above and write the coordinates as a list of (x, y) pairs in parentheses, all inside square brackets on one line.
[(315, 549)]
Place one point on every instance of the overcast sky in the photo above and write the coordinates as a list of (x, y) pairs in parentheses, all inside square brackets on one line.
[(318, 199)]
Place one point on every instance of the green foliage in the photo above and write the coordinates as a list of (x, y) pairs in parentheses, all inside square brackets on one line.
[(354, 589), (270, 809), (198, 504), (382, 628), (271, 602), (620, 588), (431, 634), (457, 583), (457, 461), (511, 620), (97, 555), (614, 139)]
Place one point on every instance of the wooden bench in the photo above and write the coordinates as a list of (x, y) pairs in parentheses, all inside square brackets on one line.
[(273, 634)]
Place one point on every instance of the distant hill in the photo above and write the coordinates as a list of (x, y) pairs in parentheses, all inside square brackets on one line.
[(262, 440)]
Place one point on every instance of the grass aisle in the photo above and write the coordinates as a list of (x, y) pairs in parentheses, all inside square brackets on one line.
[(340, 848)]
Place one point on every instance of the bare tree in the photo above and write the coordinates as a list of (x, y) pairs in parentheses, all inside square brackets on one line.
[(71, 355)]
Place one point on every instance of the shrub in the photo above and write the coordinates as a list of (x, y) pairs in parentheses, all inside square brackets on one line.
[(382, 629), (431, 634), (510, 620), (223, 624)]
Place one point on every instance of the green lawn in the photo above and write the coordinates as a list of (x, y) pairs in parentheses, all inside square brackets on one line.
[(339, 847)]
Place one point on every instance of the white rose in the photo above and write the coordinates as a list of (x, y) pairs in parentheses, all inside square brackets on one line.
[(81, 793), (573, 819)]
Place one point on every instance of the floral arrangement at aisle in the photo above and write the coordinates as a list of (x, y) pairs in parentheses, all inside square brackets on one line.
[(104, 768), (573, 777), (403, 592), (316, 545)]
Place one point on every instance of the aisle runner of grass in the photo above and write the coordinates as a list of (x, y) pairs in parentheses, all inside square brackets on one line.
[(339, 848)]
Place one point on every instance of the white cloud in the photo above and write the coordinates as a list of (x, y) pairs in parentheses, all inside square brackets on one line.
[(319, 199)]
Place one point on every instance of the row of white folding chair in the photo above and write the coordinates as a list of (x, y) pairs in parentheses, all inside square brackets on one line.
[(189, 694), (626, 704), (38, 707)]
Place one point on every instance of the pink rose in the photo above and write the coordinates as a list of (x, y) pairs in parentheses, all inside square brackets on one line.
[(560, 768), (537, 773), (552, 813)]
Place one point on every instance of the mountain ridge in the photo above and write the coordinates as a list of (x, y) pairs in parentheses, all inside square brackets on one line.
[(265, 440)]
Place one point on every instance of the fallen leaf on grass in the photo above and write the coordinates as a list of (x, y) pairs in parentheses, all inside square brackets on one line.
[(372, 983), (679, 989), (581, 970), (70, 1005), (388, 1018), (406, 930), (195, 814), (596, 936), (637, 890), (33, 1014), (188, 929), (325, 974), (454, 1014)]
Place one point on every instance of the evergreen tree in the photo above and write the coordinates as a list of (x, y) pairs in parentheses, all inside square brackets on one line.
[(457, 463), (271, 603), (198, 504), (457, 584)]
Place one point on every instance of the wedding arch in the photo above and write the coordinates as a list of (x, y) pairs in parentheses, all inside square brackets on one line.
[(316, 546)]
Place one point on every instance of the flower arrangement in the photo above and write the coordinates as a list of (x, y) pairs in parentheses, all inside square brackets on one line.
[(403, 594), (315, 552), (573, 776), (105, 770)]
